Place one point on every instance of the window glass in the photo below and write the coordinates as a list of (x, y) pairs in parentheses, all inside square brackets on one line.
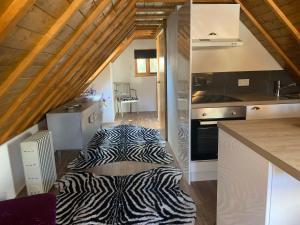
[(153, 65), (141, 65)]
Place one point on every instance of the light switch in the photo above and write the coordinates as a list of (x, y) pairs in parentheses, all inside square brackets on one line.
[(243, 82)]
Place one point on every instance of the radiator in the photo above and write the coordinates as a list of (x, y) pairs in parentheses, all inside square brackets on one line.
[(39, 162)]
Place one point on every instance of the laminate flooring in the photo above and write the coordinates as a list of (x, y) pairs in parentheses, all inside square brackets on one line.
[(204, 193)]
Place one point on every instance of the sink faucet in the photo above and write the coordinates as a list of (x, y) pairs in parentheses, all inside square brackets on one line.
[(279, 87)]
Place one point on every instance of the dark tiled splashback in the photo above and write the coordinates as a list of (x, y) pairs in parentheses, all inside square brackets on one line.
[(261, 82)]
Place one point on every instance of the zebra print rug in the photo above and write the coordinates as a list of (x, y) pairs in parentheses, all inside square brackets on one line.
[(150, 197), (123, 143)]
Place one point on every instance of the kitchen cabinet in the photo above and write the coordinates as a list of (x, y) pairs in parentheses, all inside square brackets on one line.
[(272, 111), (73, 129), (251, 189), (218, 21)]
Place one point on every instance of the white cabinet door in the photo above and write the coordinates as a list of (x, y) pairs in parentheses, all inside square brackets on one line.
[(221, 19), (243, 179), (285, 199), (272, 111)]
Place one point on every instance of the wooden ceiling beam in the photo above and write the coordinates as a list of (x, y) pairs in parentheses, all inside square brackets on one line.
[(105, 23), (269, 38), (212, 1), (176, 2), (40, 45), (13, 13), (99, 57), (148, 23), (150, 17), (44, 107), (156, 9), (41, 75), (280, 14), (73, 85), (103, 44), (113, 55)]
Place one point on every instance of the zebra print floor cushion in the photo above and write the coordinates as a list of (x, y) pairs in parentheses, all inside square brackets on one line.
[(123, 143), (151, 197)]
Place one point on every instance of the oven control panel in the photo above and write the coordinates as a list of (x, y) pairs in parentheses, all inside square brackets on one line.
[(219, 113)]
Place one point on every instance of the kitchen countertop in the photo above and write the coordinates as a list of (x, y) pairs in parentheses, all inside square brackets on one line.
[(249, 99), (277, 140), (84, 103)]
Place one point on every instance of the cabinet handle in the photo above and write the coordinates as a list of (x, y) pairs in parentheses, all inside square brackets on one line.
[(255, 108)]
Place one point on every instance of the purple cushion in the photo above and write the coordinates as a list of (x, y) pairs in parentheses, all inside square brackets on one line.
[(32, 210)]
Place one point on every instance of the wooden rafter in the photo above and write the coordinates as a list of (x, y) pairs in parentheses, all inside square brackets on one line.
[(269, 38), (97, 59), (155, 9), (280, 14), (12, 14), (39, 77), (105, 44), (150, 17), (44, 92), (72, 76), (75, 83), (42, 43), (176, 2)]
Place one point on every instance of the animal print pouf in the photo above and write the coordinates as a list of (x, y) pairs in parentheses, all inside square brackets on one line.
[(150, 197), (123, 143)]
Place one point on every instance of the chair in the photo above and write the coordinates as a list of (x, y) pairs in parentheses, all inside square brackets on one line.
[(125, 95)]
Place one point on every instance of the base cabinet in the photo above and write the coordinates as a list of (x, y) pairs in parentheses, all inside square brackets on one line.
[(251, 190), (255, 112), (73, 130)]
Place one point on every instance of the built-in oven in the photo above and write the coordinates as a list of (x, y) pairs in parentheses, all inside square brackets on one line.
[(204, 129)]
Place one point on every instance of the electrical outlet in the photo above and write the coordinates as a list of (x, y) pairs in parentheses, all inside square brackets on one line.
[(243, 82)]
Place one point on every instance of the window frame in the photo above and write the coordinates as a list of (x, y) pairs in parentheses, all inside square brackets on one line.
[(148, 73)]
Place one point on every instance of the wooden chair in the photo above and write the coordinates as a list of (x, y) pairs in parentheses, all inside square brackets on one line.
[(125, 95)]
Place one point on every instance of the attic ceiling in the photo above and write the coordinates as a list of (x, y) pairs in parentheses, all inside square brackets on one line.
[(50, 50)]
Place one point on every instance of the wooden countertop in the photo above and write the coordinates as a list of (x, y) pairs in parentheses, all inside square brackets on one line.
[(249, 99), (82, 103), (277, 140)]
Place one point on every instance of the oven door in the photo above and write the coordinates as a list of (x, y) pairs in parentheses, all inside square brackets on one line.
[(204, 140)]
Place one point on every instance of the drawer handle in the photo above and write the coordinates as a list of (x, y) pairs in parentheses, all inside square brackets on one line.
[(255, 108)]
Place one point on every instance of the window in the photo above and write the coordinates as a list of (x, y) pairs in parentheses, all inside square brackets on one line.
[(145, 63)]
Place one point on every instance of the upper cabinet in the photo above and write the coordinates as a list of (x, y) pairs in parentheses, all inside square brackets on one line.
[(215, 24)]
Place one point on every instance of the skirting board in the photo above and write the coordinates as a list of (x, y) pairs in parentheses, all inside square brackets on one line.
[(204, 170)]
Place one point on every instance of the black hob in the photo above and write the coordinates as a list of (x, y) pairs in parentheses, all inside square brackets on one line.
[(198, 99)]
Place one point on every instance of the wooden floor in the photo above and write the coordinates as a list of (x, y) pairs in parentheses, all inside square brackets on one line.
[(203, 193)]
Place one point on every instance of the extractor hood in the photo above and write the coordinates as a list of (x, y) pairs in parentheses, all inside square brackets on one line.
[(201, 43), (215, 25)]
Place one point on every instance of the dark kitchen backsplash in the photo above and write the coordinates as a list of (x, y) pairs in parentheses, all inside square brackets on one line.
[(261, 82)]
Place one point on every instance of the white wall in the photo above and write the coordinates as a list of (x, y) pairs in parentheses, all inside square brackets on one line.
[(12, 178), (104, 87), (123, 70), (252, 56)]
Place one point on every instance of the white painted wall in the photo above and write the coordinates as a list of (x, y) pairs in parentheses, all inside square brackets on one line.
[(104, 87), (252, 56), (12, 178), (123, 70)]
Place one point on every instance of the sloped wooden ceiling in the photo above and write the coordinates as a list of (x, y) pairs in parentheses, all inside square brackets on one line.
[(50, 50), (276, 24)]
